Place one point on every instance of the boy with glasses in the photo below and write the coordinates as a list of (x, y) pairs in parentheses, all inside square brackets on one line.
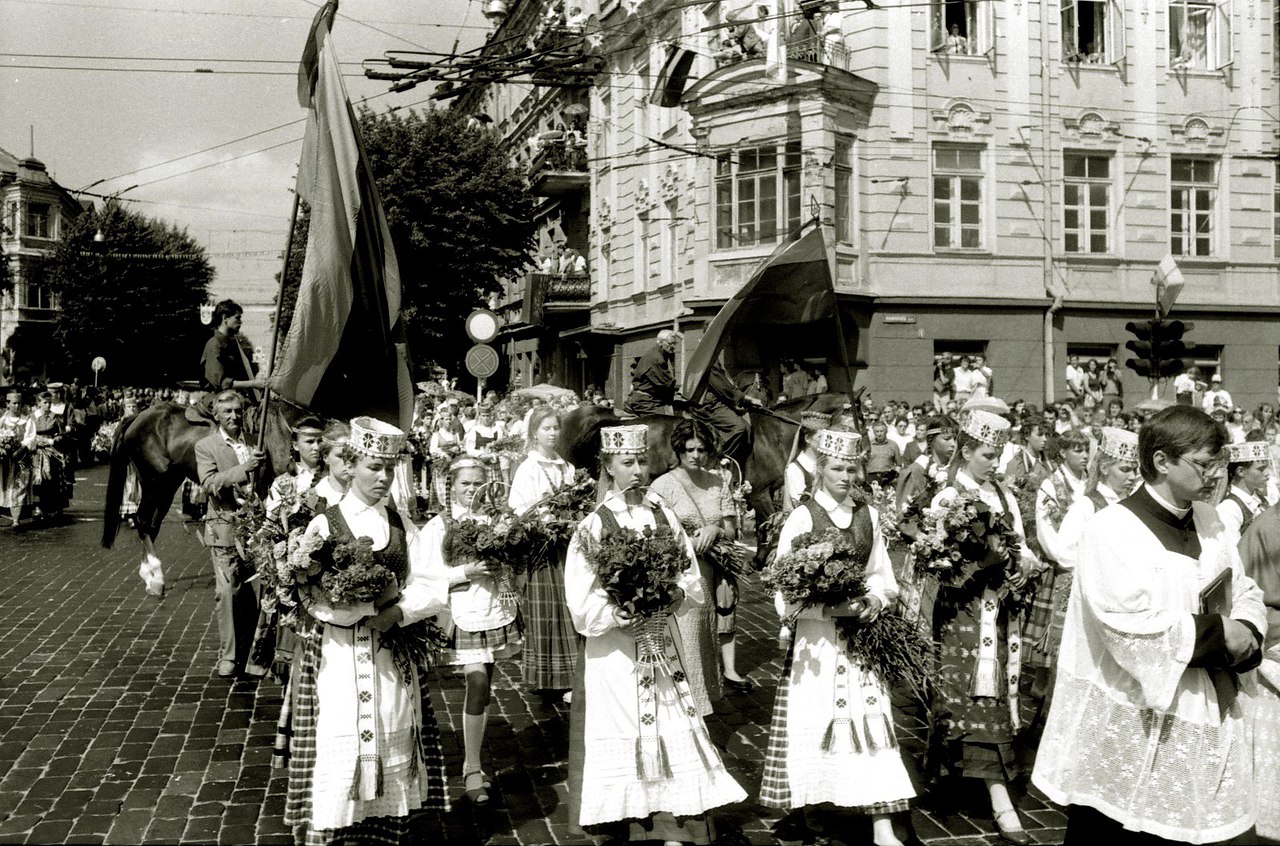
[(1145, 741)]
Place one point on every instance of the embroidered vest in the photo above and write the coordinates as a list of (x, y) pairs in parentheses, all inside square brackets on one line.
[(609, 523), (394, 556), (1245, 513), (860, 528), (484, 440)]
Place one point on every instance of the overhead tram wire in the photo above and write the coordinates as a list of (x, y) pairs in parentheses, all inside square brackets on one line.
[(207, 13)]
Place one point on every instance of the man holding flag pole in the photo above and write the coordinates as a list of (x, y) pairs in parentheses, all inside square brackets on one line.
[(363, 740)]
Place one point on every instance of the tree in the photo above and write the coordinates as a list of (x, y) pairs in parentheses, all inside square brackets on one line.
[(461, 220), (134, 298)]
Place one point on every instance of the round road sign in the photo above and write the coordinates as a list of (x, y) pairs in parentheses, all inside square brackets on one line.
[(482, 361), (482, 326), (98, 364)]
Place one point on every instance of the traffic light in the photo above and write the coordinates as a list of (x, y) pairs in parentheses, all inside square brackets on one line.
[(1158, 348)]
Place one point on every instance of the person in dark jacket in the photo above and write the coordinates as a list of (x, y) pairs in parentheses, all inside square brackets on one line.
[(653, 385)]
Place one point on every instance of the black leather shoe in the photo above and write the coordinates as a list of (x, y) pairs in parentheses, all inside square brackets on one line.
[(743, 686), (1010, 827)]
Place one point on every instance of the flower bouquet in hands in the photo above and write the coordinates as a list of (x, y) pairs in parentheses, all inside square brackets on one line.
[(826, 569), (10, 444), (964, 532), (551, 522), (104, 438), (489, 542), (724, 555), (640, 573)]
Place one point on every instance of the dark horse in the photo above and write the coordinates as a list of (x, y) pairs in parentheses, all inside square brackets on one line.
[(160, 443), (773, 436)]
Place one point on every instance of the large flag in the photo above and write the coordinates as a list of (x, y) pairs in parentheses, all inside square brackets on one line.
[(345, 355), (791, 287)]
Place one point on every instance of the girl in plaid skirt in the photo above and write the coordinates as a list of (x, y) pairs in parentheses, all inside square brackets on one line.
[(552, 646), (832, 740), (486, 624)]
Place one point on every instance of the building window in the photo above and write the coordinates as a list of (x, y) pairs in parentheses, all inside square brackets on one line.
[(1193, 193), (757, 195), (1086, 203), (38, 222), (1199, 34), (35, 292), (957, 197), (844, 190), (963, 27), (1092, 31)]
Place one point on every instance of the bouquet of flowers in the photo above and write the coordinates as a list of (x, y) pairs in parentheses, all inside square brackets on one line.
[(961, 531), (552, 521), (884, 500), (10, 444), (104, 438), (725, 555), (640, 573), (825, 569), (297, 507), (475, 540)]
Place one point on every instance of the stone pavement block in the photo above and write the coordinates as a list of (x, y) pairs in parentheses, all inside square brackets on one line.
[(130, 827), (166, 830)]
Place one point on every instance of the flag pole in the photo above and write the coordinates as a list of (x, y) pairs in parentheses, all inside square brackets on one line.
[(275, 328)]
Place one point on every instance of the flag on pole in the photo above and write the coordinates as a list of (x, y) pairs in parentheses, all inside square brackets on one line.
[(792, 286), (345, 354)]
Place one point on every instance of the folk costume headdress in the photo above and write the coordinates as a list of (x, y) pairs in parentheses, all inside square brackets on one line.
[(1247, 452), (835, 443), (812, 421), (372, 437), (1119, 443), (986, 428), (624, 440)]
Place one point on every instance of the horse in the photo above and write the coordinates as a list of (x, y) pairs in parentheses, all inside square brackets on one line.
[(774, 433), (160, 444)]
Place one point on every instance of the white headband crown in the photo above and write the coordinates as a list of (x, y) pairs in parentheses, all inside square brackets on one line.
[(1119, 443), (986, 428), (372, 437), (835, 443), (1248, 452), (624, 440)]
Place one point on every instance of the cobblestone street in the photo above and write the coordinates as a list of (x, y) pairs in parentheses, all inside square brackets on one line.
[(114, 727)]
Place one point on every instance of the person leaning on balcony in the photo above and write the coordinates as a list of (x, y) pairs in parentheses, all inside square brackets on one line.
[(653, 386)]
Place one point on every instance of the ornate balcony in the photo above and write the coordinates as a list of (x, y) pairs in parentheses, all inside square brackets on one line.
[(554, 293), (560, 167)]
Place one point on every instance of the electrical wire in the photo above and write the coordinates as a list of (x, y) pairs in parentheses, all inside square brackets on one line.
[(206, 13)]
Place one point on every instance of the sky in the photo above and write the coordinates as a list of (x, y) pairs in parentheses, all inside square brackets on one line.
[(180, 135)]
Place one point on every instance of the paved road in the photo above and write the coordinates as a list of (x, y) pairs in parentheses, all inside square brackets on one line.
[(115, 729)]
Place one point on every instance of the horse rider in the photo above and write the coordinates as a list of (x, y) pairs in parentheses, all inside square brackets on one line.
[(653, 385), (723, 408), (223, 364)]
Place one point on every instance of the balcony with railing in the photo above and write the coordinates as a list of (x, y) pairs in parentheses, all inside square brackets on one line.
[(559, 167), (740, 44), (554, 293)]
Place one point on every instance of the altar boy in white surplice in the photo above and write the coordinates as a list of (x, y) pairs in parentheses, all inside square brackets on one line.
[(1147, 732)]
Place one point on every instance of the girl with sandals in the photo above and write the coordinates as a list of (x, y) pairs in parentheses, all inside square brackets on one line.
[(486, 625)]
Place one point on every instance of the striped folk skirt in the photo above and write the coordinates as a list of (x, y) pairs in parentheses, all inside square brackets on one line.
[(303, 706), (551, 642)]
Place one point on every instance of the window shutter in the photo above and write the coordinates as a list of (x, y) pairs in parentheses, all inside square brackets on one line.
[(1068, 35), (1117, 36), (939, 32), (1225, 53), (986, 27)]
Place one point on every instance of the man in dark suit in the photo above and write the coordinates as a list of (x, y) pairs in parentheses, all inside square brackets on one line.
[(653, 385), (226, 466)]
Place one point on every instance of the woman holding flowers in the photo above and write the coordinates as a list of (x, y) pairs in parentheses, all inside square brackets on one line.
[(552, 645), (638, 750), (704, 504), (832, 739), (366, 747), (976, 621), (486, 623), (15, 460)]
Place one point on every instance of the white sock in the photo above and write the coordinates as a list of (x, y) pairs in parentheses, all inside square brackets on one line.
[(472, 740)]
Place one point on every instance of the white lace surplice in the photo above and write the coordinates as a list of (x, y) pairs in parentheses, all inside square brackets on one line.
[(1134, 732)]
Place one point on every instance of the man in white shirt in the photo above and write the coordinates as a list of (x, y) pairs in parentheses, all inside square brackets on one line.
[(1076, 378), (1216, 395), (1184, 388), (963, 381)]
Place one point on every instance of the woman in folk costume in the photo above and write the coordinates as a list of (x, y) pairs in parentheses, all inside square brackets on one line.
[(639, 752), (976, 696), (551, 644), (290, 491), (15, 462), (808, 765), (131, 500), (701, 499), (366, 747), (334, 482), (1147, 733), (797, 481), (1245, 485), (1113, 473), (486, 620), (48, 464)]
